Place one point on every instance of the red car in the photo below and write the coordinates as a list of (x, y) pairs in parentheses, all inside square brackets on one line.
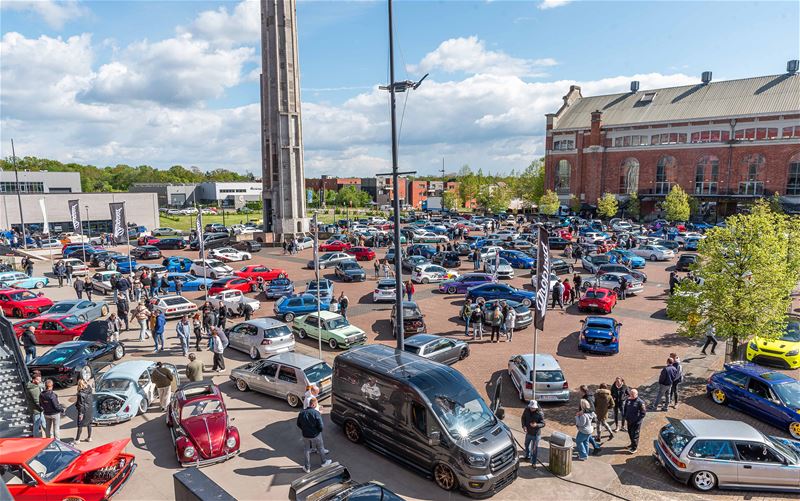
[(199, 425), (23, 303), (239, 283), (335, 246), (36, 469), (53, 328), (598, 299), (147, 240), (255, 271), (565, 234), (362, 253)]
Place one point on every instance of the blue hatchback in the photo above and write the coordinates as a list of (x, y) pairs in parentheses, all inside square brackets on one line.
[(177, 264), (518, 259), (289, 307), (627, 258), (501, 291), (599, 335), (691, 244), (768, 395), (278, 288), (124, 263)]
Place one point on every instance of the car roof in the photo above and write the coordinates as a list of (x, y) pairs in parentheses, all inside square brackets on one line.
[(722, 429), (295, 359), (198, 390), (387, 281), (752, 369), (544, 361), (326, 315), (131, 369), (23, 449), (421, 339), (265, 323)]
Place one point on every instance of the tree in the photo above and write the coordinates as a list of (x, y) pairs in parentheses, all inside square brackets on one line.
[(350, 196), (549, 203), (633, 208), (748, 270), (607, 205), (676, 204), (529, 185), (775, 203), (450, 200), (493, 198), (694, 206), (575, 204)]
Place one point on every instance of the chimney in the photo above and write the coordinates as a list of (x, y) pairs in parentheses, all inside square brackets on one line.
[(706, 77), (594, 137), (792, 66), (635, 86)]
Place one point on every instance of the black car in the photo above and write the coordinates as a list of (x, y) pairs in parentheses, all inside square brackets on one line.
[(558, 243), (146, 252), (686, 261), (171, 243), (561, 267), (413, 319), (411, 262), (333, 483), (621, 268), (350, 271), (66, 362), (100, 258), (215, 228), (247, 245), (463, 249), (448, 259), (211, 241)]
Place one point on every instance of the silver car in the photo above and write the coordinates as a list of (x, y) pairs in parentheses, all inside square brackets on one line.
[(285, 376), (330, 259), (261, 337), (613, 281), (551, 385), (441, 349), (504, 268), (708, 453)]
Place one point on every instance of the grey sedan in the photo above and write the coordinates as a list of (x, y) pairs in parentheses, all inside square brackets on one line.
[(441, 349), (83, 309), (330, 259)]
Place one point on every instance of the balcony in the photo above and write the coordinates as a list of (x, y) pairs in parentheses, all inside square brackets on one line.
[(706, 188), (753, 188), (662, 187)]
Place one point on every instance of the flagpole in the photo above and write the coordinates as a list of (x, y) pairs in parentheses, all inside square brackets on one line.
[(316, 274), (201, 246), (128, 243), (83, 236), (46, 230)]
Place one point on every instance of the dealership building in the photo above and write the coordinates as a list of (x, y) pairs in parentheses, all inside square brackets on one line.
[(224, 194), (726, 143), (40, 182)]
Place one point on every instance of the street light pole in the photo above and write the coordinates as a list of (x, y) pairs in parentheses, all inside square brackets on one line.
[(315, 220)]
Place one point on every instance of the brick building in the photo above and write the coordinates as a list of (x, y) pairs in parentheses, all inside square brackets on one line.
[(726, 143)]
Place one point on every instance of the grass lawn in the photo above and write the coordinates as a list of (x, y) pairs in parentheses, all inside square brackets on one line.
[(186, 223)]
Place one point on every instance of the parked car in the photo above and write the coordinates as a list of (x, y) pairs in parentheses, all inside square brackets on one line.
[(171, 244), (501, 291), (211, 241), (686, 262), (243, 285), (166, 231), (330, 259), (213, 269), (551, 384), (23, 303), (279, 287), (430, 237), (255, 271), (499, 267), (593, 262), (613, 281), (175, 306), (599, 335), (47, 468), (285, 376), (783, 352), (333, 483), (599, 299), (101, 281), (126, 390), (261, 337), (425, 250), (229, 254), (362, 253), (561, 267), (233, 300), (428, 273), (667, 244), (334, 245), (19, 280), (335, 330), (413, 319), (79, 268), (558, 243), (288, 307), (199, 425), (384, 290), (654, 252), (524, 314), (82, 308), (53, 328), (322, 288), (250, 246), (639, 276), (411, 262), (447, 259), (350, 271), (189, 283), (461, 284), (518, 259), (709, 453), (691, 243), (627, 258), (124, 263), (146, 252), (440, 349)]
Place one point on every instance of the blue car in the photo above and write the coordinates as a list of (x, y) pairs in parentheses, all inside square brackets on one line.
[(323, 288), (189, 282), (278, 288), (125, 390), (518, 259), (177, 263), (425, 250), (691, 244), (768, 395), (289, 307), (627, 258), (77, 249), (501, 291), (599, 335), (124, 263)]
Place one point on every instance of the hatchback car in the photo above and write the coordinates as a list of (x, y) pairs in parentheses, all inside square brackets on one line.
[(709, 453), (53, 328), (285, 376), (499, 267), (278, 288), (175, 306), (146, 252), (362, 253), (413, 319), (411, 262), (782, 352), (330, 259), (428, 273), (448, 259), (551, 385), (654, 252), (441, 349), (289, 307), (125, 390), (599, 335), (350, 271), (686, 262), (335, 330), (384, 290), (261, 337)]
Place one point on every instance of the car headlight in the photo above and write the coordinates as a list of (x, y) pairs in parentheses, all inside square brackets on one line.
[(753, 346), (476, 460), (792, 353), (231, 442), (188, 452)]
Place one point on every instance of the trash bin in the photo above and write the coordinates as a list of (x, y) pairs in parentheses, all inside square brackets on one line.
[(560, 463)]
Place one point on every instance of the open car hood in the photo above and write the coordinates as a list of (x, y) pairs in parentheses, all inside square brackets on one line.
[(93, 459)]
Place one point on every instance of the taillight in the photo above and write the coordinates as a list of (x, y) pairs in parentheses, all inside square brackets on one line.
[(528, 386), (377, 291), (127, 408), (614, 339), (64, 369), (265, 342), (565, 386), (170, 310)]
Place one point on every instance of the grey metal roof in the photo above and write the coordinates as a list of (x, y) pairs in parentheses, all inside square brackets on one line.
[(748, 96)]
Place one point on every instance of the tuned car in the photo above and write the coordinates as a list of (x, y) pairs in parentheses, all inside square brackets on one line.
[(279, 287), (255, 271), (461, 284), (334, 483), (518, 259), (350, 271), (783, 352), (430, 237), (333, 329), (53, 328), (322, 288), (639, 276), (558, 243), (171, 244), (501, 291), (23, 303), (101, 281), (285, 376), (81, 358), (175, 306), (232, 283), (330, 259), (146, 252), (126, 390), (362, 253), (199, 425), (593, 262), (413, 319), (447, 259), (189, 283), (147, 240), (599, 335), (35, 469), (100, 258), (384, 290), (334, 245), (499, 267), (82, 308), (79, 268), (441, 349), (654, 252), (561, 267), (686, 262), (123, 263), (627, 258), (229, 254), (19, 280), (261, 337), (233, 301), (428, 273), (305, 243), (411, 262), (213, 269), (166, 231), (288, 307), (599, 299)]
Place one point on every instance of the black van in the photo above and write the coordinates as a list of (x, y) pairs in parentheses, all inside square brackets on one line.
[(425, 415)]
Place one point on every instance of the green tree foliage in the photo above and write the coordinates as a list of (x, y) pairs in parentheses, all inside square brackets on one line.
[(676, 205), (775, 203), (574, 204), (748, 269), (350, 196), (450, 200), (607, 205), (529, 185), (469, 183), (493, 197), (633, 209), (549, 203)]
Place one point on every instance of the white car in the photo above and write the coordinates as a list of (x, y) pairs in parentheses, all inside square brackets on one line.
[(384, 291), (101, 281), (621, 226), (305, 243), (535, 283), (229, 254), (489, 252), (166, 231), (174, 212), (500, 268), (51, 243), (685, 235), (78, 267), (612, 281), (214, 269), (429, 237), (507, 235), (653, 252), (233, 300), (593, 238), (428, 273), (175, 306)]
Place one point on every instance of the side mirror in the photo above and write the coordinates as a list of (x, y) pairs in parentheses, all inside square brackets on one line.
[(434, 439), (30, 482)]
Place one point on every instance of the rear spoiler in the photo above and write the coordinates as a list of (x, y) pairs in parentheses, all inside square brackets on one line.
[(333, 473)]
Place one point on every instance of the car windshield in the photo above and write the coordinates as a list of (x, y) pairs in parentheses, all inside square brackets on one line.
[(72, 321), (317, 372), (201, 407), (411, 312), (781, 446), (464, 413), (23, 295), (280, 331), (792, 333), (280, 281), (61, 308), (789, 393), (114, 385), (591, 294), (56, 356), (350, 266), (177, 300), (338, 323), (53, 459)]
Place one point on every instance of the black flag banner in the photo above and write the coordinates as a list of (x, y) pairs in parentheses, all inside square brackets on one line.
[(75, 215), (119, 225), (542, 277)]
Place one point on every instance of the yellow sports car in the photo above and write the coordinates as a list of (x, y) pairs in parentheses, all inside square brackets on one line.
[(781, 352)]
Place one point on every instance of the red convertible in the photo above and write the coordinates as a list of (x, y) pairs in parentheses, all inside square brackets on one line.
[(334, 246), (199, 424), (598, 299), (53, 328), (362, 253), (36, 469), (255, 271), (23, 303), (228, 283)]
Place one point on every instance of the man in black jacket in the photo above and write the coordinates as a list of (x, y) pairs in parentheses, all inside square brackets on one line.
[(635, 410), (310, 423), (52, 411), (668, 376), (28, 341), (532, 423)]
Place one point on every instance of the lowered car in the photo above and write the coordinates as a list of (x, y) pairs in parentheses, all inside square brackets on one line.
[(654, 252), (82, 308), (333, 328), (499, 267), (524, 314), (23, 303), (461, 284), (255, 271), (288, 307), (175, 306), (385, 290), (428, 273), (233, 300), (19, 280), (447, 259), (518, 259), (686, 262), (322, 288), (561, 267), (123, 263), (53, 328), (691, 243), (411, 262), (279, 287), (441, 349), (147, 240), (551, 384), (350, 271), (232, 283), (334, 245), (171, 244), (334, 483), (101, 281), (621, 268), (229, 254), (593, 262), (782, 352), (501, 291), (189, 283), (413, 319), (213, 269), (627, 258), (126, 390), (599, 335), (199, 425), (330, 259), (425, 250), (166, 231), (285, 376), (261, 337), (146, 252), (599, 299), (613, 281)]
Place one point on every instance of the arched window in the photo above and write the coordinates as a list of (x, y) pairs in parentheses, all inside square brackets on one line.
[(563, 171), (793, 184), (629, 176), (664, 174), (751, 185), (706, 175)]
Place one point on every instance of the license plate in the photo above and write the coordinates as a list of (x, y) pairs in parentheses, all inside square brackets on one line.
[(546, 397), (325, 382)]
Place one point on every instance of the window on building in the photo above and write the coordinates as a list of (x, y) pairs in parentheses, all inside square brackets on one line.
[(754, 166), (751, 185), (793, 183), (706, 174), (791, 132), (629, 176), (663, 167), (564, 144), (563, 171)]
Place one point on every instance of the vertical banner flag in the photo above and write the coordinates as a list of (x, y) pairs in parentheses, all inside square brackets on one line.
[(542, 277), (119, 224), (75, 215), (46, 226), (199, 230)]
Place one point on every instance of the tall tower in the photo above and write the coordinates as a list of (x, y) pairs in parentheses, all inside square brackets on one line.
[(281, 125)]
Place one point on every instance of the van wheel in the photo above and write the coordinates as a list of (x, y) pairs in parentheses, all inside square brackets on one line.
[(292, 400), (241, 385), (444, 477), (704, 480), (352, 431)]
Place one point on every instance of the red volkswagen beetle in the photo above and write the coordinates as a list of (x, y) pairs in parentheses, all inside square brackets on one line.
[(23, 303), (598, 299), (255, 271), (53, 328), (335, 246), (239, 283), (200, 427), (362, 253), (36, 469)]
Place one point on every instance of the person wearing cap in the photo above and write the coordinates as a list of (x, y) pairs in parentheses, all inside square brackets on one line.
[(532, 423)]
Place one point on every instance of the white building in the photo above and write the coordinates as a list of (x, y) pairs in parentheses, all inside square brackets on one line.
[(40, 182)]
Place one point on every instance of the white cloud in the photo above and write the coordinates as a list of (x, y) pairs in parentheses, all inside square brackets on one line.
[(55, 13), (240, 26), (552, 4), (470, 55)]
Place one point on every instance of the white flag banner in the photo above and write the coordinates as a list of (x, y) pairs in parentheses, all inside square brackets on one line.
[(46, 228)]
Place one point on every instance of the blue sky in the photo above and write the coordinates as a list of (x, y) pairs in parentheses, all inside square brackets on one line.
[(174, 82)]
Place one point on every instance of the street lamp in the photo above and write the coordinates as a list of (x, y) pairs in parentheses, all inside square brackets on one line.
[(316, 275)]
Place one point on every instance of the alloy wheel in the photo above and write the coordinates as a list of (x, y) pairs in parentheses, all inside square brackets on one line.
[(704, 480), (718, 396), (241, 385), (444, 477)]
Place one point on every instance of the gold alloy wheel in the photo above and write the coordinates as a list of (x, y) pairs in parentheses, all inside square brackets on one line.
[(794, 430), (444, 477), (718, 396)]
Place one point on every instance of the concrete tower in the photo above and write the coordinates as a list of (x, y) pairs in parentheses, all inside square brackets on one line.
[(281, 125)]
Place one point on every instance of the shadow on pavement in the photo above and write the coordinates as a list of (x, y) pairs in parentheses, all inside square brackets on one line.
[(670, 340), (383, 329), (153, 436), (568, 347)]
